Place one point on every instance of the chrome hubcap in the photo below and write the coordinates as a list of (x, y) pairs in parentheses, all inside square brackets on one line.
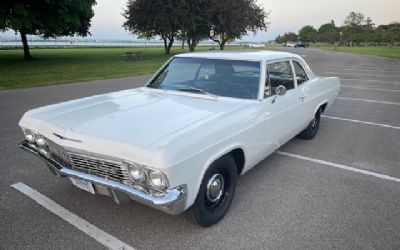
[(215, 188)]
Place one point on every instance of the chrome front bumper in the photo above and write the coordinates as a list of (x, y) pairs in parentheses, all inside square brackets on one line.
[(172, 202)]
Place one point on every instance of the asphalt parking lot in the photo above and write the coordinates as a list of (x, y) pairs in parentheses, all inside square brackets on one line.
[(338, 191)]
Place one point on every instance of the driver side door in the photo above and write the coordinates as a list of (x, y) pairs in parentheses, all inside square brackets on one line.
[(281, 110)]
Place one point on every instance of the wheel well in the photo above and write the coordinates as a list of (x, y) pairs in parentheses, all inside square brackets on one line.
[(323, 107), (238, 156)]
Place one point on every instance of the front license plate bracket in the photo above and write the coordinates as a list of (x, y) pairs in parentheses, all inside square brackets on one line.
[(82, 184)]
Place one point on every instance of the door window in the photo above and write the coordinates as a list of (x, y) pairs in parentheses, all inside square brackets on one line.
[(301, 75), (280, 73)]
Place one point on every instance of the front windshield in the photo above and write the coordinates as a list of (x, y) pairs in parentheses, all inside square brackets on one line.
[(220, 77)]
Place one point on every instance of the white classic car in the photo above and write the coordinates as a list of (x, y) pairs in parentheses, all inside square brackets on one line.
[(181, 141)]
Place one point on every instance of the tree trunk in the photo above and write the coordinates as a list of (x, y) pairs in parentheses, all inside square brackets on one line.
[(192, 44), (183, 43), (217, 41), (165, 44), (222, 44), (27, 54), (170, 43)]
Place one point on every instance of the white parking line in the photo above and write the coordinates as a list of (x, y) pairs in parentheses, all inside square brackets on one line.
[(358, 121), (96, 233), (364, 69), (340, 166), (355, 87), (367, 100), (367, 80), (380, 67), (342, 73)]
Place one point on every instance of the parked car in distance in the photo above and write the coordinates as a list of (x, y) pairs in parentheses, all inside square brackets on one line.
[(301, 44), (181, 141), (290, 44), (256, 45)]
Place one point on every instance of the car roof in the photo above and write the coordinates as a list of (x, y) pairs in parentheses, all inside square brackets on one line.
[(242, 55)]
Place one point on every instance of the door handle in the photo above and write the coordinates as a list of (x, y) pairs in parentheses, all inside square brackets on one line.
[(302, 97)]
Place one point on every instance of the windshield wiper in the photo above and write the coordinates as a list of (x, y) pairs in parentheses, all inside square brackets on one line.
[(195, 90)]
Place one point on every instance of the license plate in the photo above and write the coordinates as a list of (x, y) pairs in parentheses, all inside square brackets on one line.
[(82, 184)]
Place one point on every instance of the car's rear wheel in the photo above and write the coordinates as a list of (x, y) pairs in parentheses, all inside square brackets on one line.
[(312, 129), (216, 192)]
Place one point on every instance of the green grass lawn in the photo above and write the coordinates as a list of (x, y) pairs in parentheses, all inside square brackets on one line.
[(391, 52), (55, 66)]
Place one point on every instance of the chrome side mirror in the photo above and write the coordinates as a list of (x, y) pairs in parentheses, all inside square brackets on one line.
[(280, 90)]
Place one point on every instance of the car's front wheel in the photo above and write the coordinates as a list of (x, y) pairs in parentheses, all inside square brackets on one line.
[(312, 129), (216, 192)]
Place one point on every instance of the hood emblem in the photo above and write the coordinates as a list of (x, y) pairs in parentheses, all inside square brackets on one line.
[(65, 138)]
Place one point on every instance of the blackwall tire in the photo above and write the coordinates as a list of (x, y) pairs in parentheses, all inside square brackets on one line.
[(213, 199), (312, 129)]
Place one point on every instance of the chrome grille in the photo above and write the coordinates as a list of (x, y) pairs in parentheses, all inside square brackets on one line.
[(103, 168), (59, 154), (107, 169)]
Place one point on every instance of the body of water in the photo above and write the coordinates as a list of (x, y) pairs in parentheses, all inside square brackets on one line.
[(53, 43)]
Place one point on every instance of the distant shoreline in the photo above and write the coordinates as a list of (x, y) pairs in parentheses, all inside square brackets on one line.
[(65, 43)]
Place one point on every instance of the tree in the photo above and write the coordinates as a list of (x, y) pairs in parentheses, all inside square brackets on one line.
[(233, 19), (389, 33), (290, 37), (149, 18), (279, 39), (394, 32), (354, 19), (46, 18), (195, 22), (369, 30), (308, 33), (353, 30), (328, 27), (328, 32)]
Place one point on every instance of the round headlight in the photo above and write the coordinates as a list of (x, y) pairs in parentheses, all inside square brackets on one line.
[(157, 179), (40, 140), (30, 136), (136, 172)]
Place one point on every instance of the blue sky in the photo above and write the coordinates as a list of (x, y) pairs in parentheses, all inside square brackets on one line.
[(286, 15)]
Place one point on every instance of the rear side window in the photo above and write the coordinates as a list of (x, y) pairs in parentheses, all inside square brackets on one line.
[(280, 73), (301, 75)]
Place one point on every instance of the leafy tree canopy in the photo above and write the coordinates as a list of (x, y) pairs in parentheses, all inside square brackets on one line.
[(193, 20), (233, 19), (49, 18), (355, 29), (354, 19), (308, 33), (149, 18), (290, 37), (328, 27)]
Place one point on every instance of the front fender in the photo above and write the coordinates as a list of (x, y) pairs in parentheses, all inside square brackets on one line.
[(195, 167)]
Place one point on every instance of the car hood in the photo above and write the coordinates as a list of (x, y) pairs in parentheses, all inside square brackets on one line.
[(137, 117)]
